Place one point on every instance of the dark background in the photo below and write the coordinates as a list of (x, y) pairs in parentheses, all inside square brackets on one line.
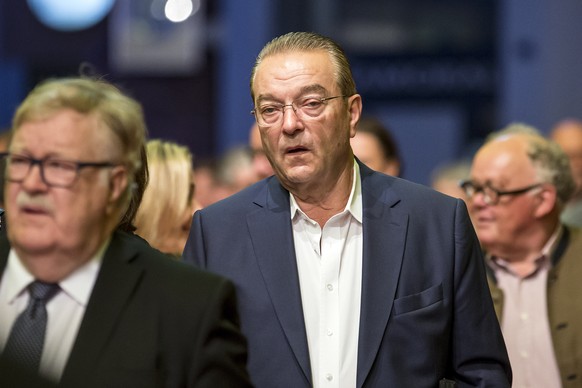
[(440, 74)]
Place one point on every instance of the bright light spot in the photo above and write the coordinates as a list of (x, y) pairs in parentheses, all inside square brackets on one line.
[(70, 15), (178, 10)]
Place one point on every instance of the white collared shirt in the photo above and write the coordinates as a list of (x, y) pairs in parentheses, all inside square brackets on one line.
[(329, 263), (65, 310)]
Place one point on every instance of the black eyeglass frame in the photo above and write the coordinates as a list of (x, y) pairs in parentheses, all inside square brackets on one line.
[(468, 185), (79, 165), (282, 107)]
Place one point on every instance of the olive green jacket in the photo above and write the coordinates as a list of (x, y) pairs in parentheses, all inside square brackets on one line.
[(564, 305)]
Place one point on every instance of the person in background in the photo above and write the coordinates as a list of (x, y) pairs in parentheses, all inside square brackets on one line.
[(347, 277), (140, 182), (235, 171), (218, 179), (518, 186), (568, 134), (82, 303), (163, 219), (374, 145), (261, 164), (4, 140), (445, 178), (206, 182)]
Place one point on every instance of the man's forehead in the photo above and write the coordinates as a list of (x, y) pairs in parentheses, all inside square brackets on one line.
[(82, 133), (501, 165), (287, 66)]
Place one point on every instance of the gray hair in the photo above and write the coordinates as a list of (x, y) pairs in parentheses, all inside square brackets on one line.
[(121, 114), (310, 41), (549, 160), (513, 129)]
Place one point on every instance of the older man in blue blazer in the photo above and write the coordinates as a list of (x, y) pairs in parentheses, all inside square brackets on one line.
[(346, 277)]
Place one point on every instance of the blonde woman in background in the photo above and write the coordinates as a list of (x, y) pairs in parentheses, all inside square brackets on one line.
[(165, 213)]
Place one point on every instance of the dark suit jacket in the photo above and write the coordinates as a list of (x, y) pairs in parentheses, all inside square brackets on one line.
[(426, 311), (13, 376), (154, 322)]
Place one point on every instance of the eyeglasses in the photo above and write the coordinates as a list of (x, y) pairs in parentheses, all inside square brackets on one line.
[(54, 172), (304, 108), (490, 195)]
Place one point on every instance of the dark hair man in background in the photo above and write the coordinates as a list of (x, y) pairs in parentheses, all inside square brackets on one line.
[(374, 145)]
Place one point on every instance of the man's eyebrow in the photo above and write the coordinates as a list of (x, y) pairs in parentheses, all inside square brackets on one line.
[(265, 97), (314, 88)]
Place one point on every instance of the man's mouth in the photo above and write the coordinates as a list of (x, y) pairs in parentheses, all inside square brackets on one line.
[(34, 210), (296, 150)]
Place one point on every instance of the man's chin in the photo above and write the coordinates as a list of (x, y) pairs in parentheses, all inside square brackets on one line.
[(29, 239)]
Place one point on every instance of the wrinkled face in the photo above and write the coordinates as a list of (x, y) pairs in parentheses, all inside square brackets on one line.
[(503, 165), (305, 150), (44, 219)]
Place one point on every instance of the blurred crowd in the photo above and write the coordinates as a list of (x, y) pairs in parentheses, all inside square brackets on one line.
[(121, 218)]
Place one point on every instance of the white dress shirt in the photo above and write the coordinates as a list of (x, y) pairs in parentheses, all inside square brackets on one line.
[(329, 263), (65, 310)]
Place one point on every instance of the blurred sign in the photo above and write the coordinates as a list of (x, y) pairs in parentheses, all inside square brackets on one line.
[(423, 77), (157, 37)]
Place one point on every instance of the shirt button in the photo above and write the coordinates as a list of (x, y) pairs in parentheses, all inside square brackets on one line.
[(329, 377), (524, 316), (329, 332), (523, 354), (330, 287)]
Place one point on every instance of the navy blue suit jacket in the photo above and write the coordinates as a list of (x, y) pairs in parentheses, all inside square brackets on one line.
[(426, 310)]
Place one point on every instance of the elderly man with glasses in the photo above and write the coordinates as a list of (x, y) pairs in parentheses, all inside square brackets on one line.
[(82, 304), (518, 185), (347, 277)]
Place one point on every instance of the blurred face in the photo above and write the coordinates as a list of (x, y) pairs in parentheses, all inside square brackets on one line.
[(309, 151), (569, 137), (205, 186), (368, 149), (261, 164), (449, 187), (503, 165), (66, 222)]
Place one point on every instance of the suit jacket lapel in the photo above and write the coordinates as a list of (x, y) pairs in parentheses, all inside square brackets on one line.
[(4, 251), (272, 237), (384, 239), (114, 285)]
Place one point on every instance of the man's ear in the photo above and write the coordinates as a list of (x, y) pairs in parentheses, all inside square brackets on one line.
[(117, 184), (355, 112), (548, 198)]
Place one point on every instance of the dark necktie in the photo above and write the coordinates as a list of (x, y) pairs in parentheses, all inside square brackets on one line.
[(26, 339)]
